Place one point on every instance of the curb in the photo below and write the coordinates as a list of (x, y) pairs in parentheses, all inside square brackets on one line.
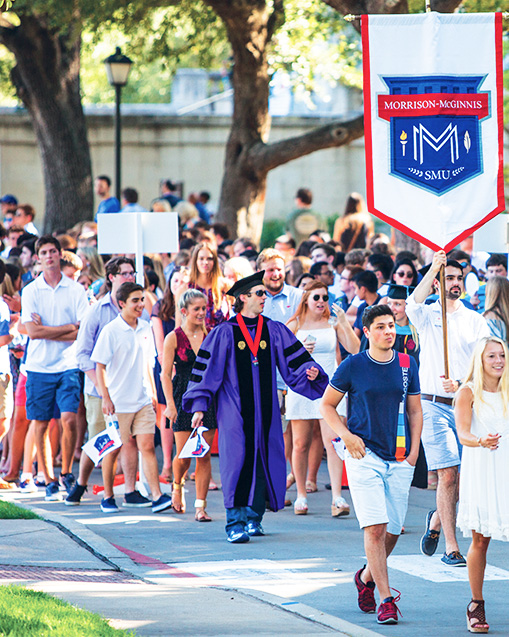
[(119, 561)]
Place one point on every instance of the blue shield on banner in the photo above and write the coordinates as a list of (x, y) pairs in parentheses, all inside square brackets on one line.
[(435, 130)]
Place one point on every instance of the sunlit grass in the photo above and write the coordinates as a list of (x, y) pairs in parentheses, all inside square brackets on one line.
[(9, 511), (27, 613)]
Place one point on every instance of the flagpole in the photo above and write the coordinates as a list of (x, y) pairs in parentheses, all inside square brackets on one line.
[(444, 320), (351, 17)]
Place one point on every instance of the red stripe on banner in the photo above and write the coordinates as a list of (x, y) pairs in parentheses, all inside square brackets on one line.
[(433, 104), (500, 108), (429, 244), (368, 140)]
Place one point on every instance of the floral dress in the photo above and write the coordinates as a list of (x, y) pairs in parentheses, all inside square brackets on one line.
[(213, 316)]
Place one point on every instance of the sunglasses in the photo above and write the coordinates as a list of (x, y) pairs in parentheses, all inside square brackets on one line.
[(317, 297), (259, 293), (408, 275)]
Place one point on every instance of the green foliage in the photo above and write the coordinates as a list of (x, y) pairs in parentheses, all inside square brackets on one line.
[(28, 613), (7, 93), (188, 35), (9, 511), (272, 229), (315, 43)]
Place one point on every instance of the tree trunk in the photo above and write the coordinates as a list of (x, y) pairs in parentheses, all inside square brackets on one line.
[(405, 242), (248, 157), (250, 25), (46, 78)]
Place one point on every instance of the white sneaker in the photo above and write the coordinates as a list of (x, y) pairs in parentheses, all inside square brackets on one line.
[(28, 486)]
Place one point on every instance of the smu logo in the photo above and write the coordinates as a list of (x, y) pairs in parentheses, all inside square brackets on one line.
[(435, 129)]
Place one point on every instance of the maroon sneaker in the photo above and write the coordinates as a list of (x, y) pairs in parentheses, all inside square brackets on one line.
[(366, 593), (388, 611)]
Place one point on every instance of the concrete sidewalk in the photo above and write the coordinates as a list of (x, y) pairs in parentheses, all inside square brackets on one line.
[(66, 559)]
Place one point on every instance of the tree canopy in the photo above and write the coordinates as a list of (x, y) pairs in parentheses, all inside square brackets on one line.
[(48, 41)]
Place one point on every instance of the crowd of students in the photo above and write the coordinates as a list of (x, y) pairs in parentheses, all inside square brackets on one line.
[(80, 341)]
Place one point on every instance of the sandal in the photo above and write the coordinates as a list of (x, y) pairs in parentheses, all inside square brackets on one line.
[(178, 492), (166, 475), (300, 506), (340, 507), (476, 617), (311, 487), (290, 480), (201, 515), (4, 485)]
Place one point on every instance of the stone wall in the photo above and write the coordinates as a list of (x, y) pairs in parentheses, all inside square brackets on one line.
[(157, 145), (190, 148)]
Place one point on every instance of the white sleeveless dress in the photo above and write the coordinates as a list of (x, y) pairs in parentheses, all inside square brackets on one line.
[(299, 407), (484, 479)]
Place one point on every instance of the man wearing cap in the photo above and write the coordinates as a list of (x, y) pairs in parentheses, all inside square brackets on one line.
[(236, 367), (8, 203)]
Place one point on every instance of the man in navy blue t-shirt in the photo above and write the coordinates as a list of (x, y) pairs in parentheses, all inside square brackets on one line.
[(381, 441)]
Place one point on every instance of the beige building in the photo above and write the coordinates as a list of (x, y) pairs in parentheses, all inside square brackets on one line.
[(159, 144), (187, 148)]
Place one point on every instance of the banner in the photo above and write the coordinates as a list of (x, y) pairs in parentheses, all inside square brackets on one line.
[(196, 445), (102, 444), (433, 116)]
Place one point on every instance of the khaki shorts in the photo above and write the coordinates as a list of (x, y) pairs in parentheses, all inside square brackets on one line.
[(141, 422), (95, 416), (6, 397)]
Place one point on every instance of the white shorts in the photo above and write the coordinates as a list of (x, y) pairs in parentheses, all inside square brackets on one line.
[(439, 436), (379, 490)]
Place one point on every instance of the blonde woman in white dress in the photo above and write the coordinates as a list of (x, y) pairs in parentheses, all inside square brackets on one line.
[(482, 421), (311, 326)]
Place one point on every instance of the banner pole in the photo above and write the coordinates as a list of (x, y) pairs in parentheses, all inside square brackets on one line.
[(444, 320), (351, 17)]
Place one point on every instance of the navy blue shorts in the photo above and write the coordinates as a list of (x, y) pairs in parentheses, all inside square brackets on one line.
[(45, 392)]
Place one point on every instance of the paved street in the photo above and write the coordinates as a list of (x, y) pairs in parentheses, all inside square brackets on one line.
[(302, 560)]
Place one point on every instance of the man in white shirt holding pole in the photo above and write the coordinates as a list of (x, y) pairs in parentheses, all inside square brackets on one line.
[(441, 445)]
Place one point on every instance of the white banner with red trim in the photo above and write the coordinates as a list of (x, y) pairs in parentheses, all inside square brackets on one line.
[(433, 112)]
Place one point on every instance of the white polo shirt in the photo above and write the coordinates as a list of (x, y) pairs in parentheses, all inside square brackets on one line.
[(126, 353), (464, 328), (66, 303)]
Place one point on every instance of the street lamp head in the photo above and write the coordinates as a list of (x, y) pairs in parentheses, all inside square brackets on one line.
[(117, 68)]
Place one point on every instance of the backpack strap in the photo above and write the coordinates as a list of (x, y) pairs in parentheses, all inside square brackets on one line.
[(404, 360), (404, 363)]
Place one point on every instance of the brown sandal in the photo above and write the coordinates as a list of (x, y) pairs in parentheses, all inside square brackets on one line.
[(201, 515), (178, 490), (476, 617)]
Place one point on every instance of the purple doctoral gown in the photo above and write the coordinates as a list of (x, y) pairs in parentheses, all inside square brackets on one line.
[(248, 413)]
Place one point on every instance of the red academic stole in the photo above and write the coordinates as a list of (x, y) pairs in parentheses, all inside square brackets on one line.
[(253, 345)]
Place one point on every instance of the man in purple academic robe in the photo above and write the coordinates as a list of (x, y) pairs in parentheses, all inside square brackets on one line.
[(236, 367)]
